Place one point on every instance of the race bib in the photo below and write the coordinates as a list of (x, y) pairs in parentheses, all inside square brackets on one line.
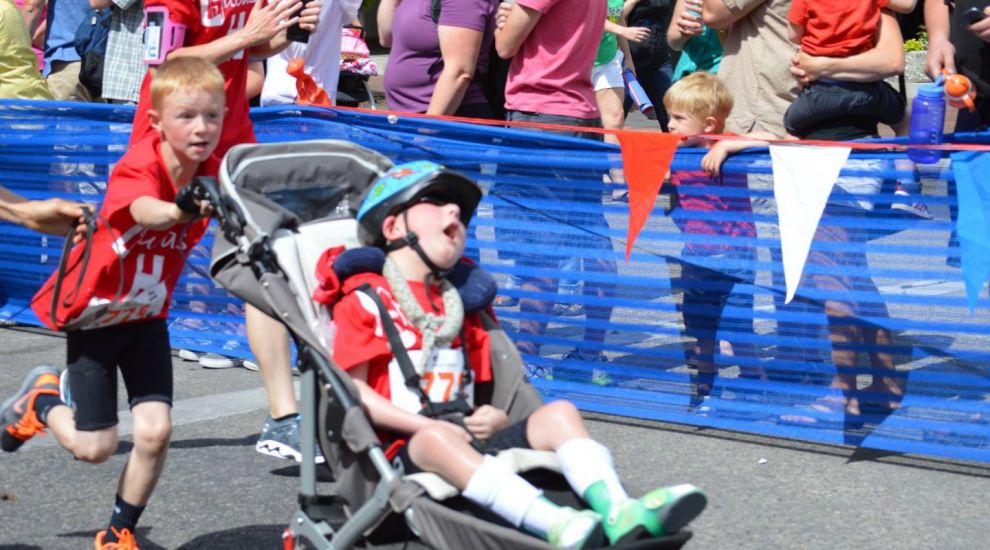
[(441, 382)]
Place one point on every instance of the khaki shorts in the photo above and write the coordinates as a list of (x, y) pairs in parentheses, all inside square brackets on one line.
[(63, 81)]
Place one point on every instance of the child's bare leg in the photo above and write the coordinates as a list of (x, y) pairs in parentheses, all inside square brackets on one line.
[(554, 424), (444, 450), (89, 446), (152, 432)]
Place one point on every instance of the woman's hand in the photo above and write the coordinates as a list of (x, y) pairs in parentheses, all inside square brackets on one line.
[(689, 21), (267, 20), (309, 17), (502, 15), (941, 56), (805, 68), (486, 421)]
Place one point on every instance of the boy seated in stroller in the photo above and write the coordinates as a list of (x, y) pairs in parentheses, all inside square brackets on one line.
[(417, 213)]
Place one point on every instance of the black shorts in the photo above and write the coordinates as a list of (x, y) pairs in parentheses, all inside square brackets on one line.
[(141, 350), (511, 437)]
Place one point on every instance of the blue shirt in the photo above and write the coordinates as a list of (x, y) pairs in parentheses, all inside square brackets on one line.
[(64, 18)]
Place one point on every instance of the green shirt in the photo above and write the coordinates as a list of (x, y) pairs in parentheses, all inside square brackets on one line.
[(610, 43)]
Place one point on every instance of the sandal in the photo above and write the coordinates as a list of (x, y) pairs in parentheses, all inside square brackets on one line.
[(505, 301)]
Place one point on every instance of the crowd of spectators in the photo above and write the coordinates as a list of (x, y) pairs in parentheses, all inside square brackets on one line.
[(793, 71)]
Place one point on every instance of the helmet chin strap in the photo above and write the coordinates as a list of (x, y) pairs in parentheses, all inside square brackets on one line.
[(412, 240)]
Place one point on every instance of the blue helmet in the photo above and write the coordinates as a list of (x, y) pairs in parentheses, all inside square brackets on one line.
[(403, 186)]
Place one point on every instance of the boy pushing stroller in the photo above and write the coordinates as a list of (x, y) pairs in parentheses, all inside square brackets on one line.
[(417, 214)]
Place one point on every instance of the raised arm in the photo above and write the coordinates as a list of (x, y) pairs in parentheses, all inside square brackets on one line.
[(941, 52), (263, 23), (884, 60), (386, 13), (718, 16), (53, 216), (683, 25), (513, 24), (459, 48)]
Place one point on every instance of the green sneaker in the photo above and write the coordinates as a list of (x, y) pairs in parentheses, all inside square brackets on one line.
[(660, 512), (576, 529)]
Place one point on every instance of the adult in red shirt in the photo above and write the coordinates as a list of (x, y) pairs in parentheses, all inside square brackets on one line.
[(841, 28), (228, 34)]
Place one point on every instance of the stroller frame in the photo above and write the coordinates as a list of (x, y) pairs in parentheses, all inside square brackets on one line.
[(249, 261)]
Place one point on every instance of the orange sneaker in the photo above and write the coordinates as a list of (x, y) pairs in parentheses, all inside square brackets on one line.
[(125, 541), (17, 415)]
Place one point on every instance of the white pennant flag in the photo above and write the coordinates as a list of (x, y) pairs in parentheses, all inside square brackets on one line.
[(803, 177)]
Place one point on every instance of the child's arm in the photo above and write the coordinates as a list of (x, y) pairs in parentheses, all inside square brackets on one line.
[(385, 415), (631, 34), (486, 421), (795, 32), (902, 6), (160, 215), (712, 161), (683, 25)]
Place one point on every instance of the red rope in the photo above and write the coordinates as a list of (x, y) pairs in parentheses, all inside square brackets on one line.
[(856, 145)]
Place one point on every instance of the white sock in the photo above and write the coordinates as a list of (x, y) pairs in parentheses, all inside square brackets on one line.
[(586, 462), (540, 516), (497, 488)]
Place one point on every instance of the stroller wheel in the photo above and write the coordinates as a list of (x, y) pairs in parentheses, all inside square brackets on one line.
[(288, 540)]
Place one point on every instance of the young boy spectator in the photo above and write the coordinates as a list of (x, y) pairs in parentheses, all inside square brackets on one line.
[(417, 213), (714, 274), (841, 28), (138, 250)]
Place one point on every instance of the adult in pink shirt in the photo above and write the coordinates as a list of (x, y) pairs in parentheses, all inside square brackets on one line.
[(552, 44)]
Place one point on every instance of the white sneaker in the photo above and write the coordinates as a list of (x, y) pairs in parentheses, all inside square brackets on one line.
[(216, 361), (576, 529), (901, 198), (188, 355)]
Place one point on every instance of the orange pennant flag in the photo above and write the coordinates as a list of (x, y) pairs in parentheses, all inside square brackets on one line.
[(646, 158)]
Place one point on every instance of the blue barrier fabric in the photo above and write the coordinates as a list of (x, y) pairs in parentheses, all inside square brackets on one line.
[(879, 348)]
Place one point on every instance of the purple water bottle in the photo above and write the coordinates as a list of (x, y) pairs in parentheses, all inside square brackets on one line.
[(636, 93), (927, 123)]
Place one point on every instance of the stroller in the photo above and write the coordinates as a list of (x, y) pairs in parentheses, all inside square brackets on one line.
[(279, 206), (356, 68)]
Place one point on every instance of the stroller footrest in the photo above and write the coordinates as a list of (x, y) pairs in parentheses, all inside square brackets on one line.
[(328, 508)]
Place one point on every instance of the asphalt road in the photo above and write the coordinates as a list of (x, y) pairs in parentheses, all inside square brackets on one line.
[(218, 493)]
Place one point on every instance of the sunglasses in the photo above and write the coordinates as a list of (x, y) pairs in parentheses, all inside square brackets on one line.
[(436, 199)]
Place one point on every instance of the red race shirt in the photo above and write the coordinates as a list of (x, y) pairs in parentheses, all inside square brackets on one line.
[(360, 338), (206, 21), (131, 271), (837, 28)]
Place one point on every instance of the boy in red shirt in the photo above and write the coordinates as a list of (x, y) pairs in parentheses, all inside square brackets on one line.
[(417, 213), (841, 28), (717, 260), (229, 33), (114, 313)]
